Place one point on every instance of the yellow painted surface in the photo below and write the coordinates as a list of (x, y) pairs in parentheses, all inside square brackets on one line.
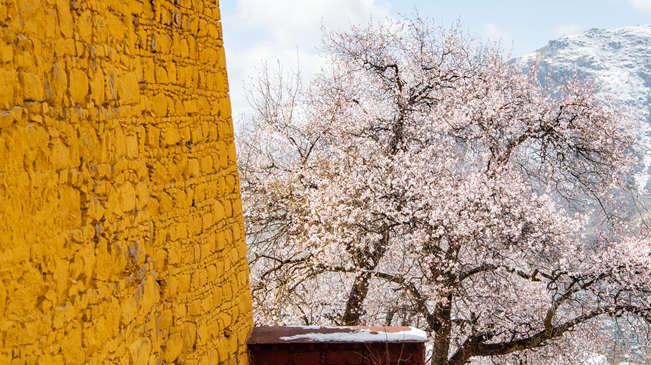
[(121, 234)]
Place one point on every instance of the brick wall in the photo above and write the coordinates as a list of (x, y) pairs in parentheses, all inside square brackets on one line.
[(121, 233)]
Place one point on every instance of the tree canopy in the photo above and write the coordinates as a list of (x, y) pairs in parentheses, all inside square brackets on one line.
[(422, 179)]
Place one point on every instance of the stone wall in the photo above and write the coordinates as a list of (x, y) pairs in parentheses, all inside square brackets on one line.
[(121, 232)]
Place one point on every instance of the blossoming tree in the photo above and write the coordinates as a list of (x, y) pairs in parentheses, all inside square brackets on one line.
[(423, 180)]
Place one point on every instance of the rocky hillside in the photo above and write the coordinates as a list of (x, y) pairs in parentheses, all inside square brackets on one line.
[(617, 59)]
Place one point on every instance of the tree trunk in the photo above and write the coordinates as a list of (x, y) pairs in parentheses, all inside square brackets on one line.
[(355, 299), (443, 312), (367, 259)]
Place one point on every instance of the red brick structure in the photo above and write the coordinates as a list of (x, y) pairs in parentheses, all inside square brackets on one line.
[(313, 345)]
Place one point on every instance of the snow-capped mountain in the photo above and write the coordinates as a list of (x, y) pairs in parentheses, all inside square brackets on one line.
[(618, 59)]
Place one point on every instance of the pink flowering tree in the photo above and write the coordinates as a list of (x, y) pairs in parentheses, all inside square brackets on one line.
[(423, 180)]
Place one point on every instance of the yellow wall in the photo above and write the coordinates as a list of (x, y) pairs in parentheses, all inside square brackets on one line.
[(121, 230)]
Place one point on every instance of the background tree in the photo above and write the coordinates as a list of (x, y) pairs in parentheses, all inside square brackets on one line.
[(421, 179)]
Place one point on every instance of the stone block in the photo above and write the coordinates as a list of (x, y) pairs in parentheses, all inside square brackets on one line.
[(165, 318), (78, 86), (189, 334), (97, 88), (62, 315), (194, 169), (184, 283), (127, 197), (171, 135), (173, 347), (219, 212), (32, 87), (159, 105), (8, 84), (140, 351), (6, 52)]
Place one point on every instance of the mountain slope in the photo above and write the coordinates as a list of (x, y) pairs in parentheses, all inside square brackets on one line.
[(619, 60)]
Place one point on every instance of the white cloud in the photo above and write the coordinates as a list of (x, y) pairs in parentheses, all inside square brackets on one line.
[(495, 34), (644, 5), (569, 29), (292, 20), (288, 31)]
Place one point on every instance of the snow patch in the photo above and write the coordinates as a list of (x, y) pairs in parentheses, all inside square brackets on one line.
[(359, 335)]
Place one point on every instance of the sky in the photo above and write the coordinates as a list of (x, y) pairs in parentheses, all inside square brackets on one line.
[(289, 31)]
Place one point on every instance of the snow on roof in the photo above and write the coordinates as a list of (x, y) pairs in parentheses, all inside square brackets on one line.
[(362, 335), (359, 334)]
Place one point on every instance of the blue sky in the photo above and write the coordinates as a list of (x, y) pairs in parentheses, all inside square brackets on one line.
[(289, 30)]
